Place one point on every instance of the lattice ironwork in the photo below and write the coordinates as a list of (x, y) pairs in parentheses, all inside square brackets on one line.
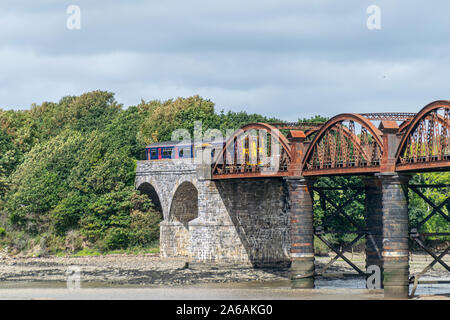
[(339, 210), (305, 126), (346, 141), (394, 116), (254, 150), (426, 142), (347, 144), (418, 237)]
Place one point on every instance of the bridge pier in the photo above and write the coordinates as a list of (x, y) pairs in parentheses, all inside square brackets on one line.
[(374, 222), (395, 235), (302, 232)]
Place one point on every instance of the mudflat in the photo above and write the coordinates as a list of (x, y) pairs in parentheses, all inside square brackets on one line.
[(151, 270)]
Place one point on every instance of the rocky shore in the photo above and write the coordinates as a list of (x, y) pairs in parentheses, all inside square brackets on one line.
[(152, 270), (147, 269)]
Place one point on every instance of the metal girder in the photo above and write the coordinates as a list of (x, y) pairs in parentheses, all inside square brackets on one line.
[(337, 148), (425, 144), (228, 163), (395, 116)]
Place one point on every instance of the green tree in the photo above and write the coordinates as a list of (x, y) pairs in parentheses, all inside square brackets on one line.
[(163, 118), (419, 209)]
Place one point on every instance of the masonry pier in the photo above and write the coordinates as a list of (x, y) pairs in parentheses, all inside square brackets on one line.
[(302, 232), (395, 235), (374, 222)]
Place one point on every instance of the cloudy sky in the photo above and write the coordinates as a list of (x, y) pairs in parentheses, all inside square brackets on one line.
[(285, 58)]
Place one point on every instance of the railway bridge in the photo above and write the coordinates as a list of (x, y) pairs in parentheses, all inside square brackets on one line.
[(254, 203)]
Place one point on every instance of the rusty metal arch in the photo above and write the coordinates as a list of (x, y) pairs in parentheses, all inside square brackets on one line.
[(422, 115), (405, 124), (254, 126), (346, 132), (364, 122), (310, 132)]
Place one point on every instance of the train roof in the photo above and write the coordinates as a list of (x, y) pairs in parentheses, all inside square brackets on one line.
[(184, 143)]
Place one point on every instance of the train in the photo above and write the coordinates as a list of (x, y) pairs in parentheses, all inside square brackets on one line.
[(178, 150), (248, 151)]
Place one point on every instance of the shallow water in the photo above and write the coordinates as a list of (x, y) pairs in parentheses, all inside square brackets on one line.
[(359, 283), (320, 283)]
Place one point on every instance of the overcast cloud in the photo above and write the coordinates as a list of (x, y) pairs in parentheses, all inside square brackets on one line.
[(285, 58)]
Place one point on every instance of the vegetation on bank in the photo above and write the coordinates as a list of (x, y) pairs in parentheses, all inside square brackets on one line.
[(67, 173)]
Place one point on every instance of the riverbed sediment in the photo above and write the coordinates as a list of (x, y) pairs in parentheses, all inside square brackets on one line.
[(153, 270)]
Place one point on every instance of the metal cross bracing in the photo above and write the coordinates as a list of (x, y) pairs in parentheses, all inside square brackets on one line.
[(419, 237), (326, 226)]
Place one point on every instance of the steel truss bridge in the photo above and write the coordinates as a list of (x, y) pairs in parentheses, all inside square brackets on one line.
[(349, 144)]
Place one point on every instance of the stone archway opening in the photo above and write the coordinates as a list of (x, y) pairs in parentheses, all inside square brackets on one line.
[(184, 206), (176, 236), (147, 189)]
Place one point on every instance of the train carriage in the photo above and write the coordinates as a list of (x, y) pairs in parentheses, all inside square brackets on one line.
[(178, 150)]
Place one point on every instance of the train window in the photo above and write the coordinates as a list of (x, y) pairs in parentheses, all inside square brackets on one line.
[(167, 152), (185, 152), (153, 153)]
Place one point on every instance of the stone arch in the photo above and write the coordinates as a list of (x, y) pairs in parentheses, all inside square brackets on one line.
[(150, 191), (184, 204)]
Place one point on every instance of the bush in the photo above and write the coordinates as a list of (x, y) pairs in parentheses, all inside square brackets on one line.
[(116, 238), (87, 252), (74, 241), (320, 248)]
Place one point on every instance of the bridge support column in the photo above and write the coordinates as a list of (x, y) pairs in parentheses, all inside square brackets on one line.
[(302, 234), (395, 235), (374, 222)]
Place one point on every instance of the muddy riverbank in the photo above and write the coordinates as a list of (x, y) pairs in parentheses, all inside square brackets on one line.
[(152, 270)]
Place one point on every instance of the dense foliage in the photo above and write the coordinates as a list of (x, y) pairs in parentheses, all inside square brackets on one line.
[(67, 169), (67, 172)]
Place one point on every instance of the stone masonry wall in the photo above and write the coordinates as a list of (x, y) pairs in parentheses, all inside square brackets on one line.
[(243, 221)]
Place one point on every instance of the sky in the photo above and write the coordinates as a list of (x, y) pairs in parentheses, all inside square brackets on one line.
[(284, 58)]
